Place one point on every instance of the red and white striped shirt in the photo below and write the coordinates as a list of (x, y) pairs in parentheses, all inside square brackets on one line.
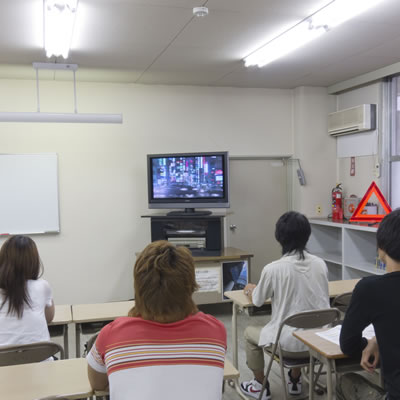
[(147, 360)]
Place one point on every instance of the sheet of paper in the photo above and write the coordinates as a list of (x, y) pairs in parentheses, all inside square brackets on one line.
[(209, 279), (333, 334)]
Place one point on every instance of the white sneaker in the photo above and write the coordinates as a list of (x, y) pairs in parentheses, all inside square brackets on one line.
[(253, 388), (294, 385)]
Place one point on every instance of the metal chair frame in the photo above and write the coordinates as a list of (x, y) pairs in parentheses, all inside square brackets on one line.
[(29, 353), (342, 301), (303, 320)]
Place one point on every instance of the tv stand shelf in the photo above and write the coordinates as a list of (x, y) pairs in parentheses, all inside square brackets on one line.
[(349, 250), (202, 234)]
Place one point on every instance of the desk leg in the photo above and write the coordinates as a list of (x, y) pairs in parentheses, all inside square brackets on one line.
[(235, 349), (329, 384), (66, 343), (78, 330), (234, 336), (330, 366), (311, 379)]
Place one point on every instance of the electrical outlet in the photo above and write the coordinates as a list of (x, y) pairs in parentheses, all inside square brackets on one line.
[(318, 210)]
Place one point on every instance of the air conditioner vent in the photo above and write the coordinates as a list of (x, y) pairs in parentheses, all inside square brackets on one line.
[(352, 120)]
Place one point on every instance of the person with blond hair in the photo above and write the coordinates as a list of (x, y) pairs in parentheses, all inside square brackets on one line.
[(165, 348), (26, 300)]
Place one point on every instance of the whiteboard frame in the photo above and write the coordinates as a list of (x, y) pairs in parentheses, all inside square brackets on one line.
[(46, 194)]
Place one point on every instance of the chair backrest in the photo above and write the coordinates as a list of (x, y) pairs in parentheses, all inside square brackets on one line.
[(89, 344), (312, 319), (342, 301), (29, 353)]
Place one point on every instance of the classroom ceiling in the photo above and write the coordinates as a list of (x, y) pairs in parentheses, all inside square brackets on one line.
[(161, 42)]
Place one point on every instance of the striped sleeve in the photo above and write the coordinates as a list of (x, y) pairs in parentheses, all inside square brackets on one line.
[(95, 357), (195, 351)]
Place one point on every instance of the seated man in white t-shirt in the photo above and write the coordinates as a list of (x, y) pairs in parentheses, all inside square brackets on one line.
[(165, 348), (297, 282)]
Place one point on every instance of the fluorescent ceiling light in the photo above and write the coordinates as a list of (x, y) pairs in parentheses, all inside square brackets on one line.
[(328, 17), (59, 19)]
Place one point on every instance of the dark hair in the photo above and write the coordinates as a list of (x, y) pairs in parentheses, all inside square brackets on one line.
[(388, 235), (292, 231), (164, 281), (19, 261)]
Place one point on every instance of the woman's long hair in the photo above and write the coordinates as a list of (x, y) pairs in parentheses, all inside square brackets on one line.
[(164, 281), (19, 261)]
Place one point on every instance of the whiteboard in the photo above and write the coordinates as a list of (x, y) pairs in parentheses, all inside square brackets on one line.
[(28, 193)]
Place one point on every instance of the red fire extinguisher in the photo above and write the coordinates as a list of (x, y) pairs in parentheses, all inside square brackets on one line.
[(337, 208)]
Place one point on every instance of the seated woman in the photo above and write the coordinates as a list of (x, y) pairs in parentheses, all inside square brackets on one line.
[(165, 348), (26, 300), (296, 282)]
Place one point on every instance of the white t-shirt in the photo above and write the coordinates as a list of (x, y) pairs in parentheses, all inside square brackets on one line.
[(294, 286), (32, 327), (148, 360)]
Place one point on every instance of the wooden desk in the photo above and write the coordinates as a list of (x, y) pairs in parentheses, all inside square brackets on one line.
[(241, 301), (63, 317), (340, 287), (34, 381), (329, 354), (101, 312)]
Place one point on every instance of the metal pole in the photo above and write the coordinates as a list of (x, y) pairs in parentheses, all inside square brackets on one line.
[(37, 90), (76, 108)]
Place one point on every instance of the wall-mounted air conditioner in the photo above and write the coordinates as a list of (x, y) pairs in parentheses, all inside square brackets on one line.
[(352, 120)]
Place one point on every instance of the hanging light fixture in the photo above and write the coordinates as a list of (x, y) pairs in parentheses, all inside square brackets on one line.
[(74, 117), (59, 19)]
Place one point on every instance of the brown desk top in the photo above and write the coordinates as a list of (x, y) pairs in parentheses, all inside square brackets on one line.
[(101, 311), (63, 315), (335, 288), (49, 378), (228, 253), (325, 347)]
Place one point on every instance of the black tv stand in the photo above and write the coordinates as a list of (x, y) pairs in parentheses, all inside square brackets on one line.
[(189, 212), (203, 235)]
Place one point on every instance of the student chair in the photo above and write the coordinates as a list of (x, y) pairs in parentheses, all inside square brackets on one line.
[(342, 301), (29, 353), (304, 320)]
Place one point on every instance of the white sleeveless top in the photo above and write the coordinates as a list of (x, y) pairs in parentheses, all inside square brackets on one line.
[(32, 327)]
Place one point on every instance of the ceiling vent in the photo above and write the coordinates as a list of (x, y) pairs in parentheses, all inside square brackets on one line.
[(352, 120)]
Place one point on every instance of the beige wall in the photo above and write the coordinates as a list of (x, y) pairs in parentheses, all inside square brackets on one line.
[(365, 172), (315, 149), (102, 168)]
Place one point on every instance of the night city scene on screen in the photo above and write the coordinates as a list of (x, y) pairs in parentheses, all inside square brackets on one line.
[(188, 177)]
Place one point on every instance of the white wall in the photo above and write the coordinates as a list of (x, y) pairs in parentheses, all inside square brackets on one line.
[(315, 149), (365, 173), (102, 168)]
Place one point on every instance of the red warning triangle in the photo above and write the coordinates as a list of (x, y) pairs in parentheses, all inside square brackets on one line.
[(358, 216)]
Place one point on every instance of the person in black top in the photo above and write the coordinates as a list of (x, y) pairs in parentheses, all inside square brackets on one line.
[(376, 300)]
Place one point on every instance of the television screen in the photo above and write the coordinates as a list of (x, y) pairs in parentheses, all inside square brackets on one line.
[(188, 180)]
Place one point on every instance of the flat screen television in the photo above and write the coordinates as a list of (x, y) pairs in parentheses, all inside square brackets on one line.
[(188, 181)]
